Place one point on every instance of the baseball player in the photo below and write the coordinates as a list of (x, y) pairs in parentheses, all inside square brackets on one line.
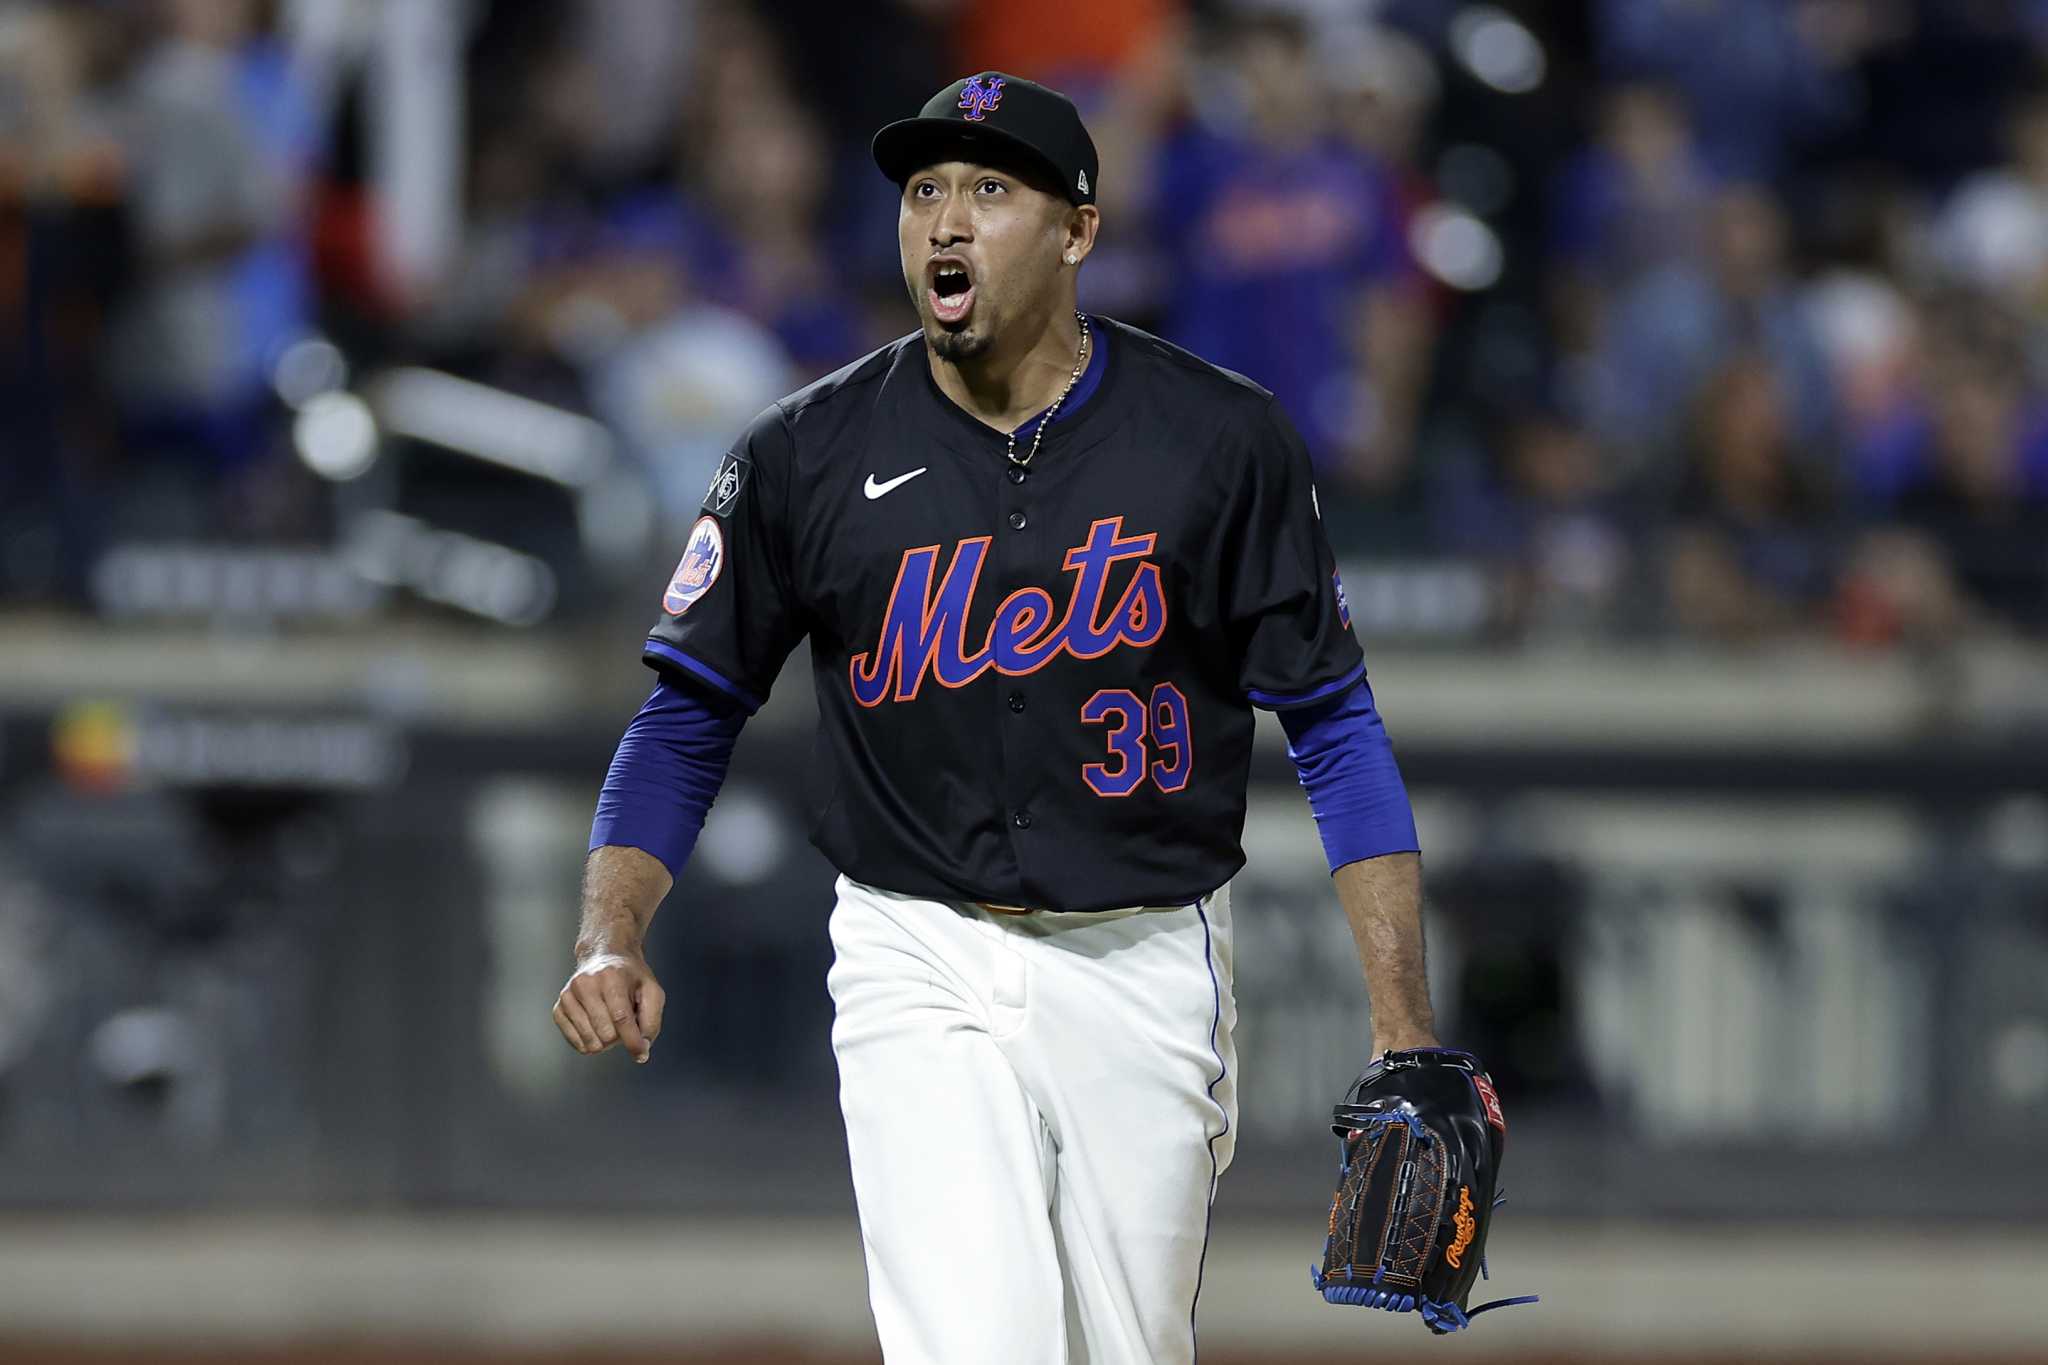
[(1048, 565)]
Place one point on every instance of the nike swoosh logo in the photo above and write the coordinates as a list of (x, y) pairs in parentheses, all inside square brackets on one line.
[(875, 490)]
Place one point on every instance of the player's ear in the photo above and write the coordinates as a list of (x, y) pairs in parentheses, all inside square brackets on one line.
[(1083, 221)]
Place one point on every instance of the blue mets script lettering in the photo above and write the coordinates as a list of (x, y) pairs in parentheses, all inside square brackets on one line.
[(977, 99), (924, 630)]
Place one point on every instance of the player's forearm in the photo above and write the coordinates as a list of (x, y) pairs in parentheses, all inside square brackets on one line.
[(622, 888), (1382, 898), (1368, 830), (663, 778)]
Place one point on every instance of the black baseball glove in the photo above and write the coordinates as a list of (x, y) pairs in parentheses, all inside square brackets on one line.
[(1422, 1134)]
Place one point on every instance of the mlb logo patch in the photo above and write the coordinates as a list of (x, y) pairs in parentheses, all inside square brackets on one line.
[(1343, 603), (1490, 1101), (703, 557), (726, 485)]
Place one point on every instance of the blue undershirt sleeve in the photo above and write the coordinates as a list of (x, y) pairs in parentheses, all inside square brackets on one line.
[(1354, 787), (668, 768)]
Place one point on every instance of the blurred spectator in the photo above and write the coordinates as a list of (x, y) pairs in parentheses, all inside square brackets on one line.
[(1750, 552), (669, 303), (738, 219), (635, 57), (221, 141), (1633, 201), (1384, 91), (1758, 76), (539, 183), (1993, 233), (1859, 313), (1962, 481), (1288, 255), (768, 251), (680, 388), (1542, 515), (1681, 324), (63, 179), (1958, 335), (1385, 86), (674, 374), (1128, 110), (508, 181)]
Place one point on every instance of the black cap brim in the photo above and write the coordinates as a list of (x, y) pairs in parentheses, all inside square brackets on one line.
[(907, 146)]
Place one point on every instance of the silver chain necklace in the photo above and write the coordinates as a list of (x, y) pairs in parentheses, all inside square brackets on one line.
[(1080, 364)]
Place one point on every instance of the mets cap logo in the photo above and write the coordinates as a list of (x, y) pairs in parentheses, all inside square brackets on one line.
[(703, 557), (977, 99)]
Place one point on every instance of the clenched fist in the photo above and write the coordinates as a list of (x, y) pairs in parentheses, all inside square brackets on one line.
[(611, 999)]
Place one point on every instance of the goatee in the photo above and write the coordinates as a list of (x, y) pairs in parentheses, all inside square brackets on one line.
[(958, 346)]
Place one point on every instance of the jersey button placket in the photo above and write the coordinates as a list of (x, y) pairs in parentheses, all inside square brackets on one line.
[(1019, 559)]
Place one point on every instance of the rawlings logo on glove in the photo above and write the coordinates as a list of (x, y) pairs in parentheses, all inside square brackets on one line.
[(1415, 1127), (1466, 1225)]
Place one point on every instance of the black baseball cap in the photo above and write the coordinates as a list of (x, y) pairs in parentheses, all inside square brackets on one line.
[(996, 120)]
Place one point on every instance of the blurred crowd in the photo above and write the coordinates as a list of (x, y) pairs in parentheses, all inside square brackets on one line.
[(1722, 316)]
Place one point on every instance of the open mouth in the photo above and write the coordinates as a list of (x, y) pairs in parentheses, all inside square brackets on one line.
[(951, 291)]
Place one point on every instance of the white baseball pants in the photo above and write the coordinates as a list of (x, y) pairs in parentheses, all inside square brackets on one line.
[(1037, 1108)]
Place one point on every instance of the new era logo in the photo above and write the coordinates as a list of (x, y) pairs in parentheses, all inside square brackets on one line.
[(1082, 183)]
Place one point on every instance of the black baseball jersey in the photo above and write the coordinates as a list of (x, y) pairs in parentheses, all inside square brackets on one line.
[(1035, 686)]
